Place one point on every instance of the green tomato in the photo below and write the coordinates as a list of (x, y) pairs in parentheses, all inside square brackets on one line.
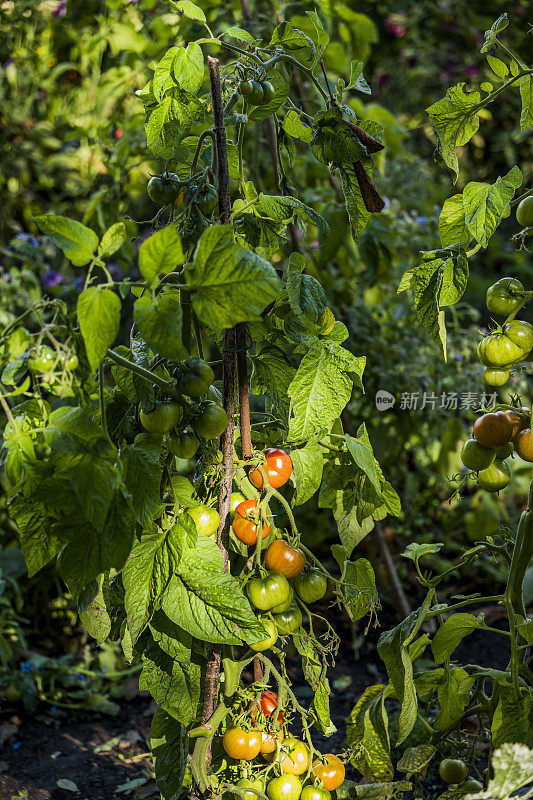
[(205, 518), (475, 456), (311, 586), (245, 783), (452, 770), (271, 638), (288, 621), (286, 787), (252, 92), (524, 212), (236, 499), (268, 592), (207, 200), (315, 793), (13, 694), (164, 190), (268, 92), (286, 604), (497, 350), (504, 451), (495, 477), (495, 377), (469, 786), (44, 360), (183, 445), (211, 422), (501, 296), (162, 419), (521, 333), (195, 377)]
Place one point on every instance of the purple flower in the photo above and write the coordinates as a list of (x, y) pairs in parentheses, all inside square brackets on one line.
[(27, 666), (51, 278), (472, 71), (61, 9), (16, 745)]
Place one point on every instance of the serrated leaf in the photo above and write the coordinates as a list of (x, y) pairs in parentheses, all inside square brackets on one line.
[(450, 634), (207, 602), (112, 240), (293, 126), (78, 242), (160, 323), (439, 281), (230, 283), (485, 204), (307, 465), (142, 475), (282, 208), (160, 254), (361, 451), (188, 67), (169, 745), (452, 223), (321, 387), (191, 10), (525, 85), (455, 120), (149, 567), (99, 318)]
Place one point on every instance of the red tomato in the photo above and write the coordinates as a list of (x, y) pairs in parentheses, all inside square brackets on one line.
[(277, 467), (246, 522), (331, 773), (493, 429), (268, 703)]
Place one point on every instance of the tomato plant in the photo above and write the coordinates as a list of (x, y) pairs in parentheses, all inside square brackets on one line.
[(265, 593), (206, 519)]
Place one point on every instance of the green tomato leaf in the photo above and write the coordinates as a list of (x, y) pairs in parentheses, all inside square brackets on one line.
[(450, 634), (169, 745), (163, 78), (95, 616), (361, 451), (357, 80), (452, 222), (513, 768), (306, 296), (293, 126), (525, 85), (188, 68), (207, 602), (190, 10), (142, 475), (455, 121), (454, 696), (99, 318), (231, 284), (414, 551), (321, 387), (112, 240), (160, 254), (78, 242), (439, 281), (485, 205), (307, 463), (152, 562), (160, 323)]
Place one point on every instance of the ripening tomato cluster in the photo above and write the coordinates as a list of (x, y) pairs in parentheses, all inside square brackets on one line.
[(207, 418), (496, 436), (50, 364), (292, 773), (167, 189), (510, 343), (283, 579)]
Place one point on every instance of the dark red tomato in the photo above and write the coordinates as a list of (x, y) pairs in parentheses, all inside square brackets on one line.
[(331, 773), (493, 429), (247, 521), (240, 744), (284, 558), (277, 467), (268, 703)]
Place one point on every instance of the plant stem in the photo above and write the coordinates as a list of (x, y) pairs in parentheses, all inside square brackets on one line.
[(166, 386), (103, 416)]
